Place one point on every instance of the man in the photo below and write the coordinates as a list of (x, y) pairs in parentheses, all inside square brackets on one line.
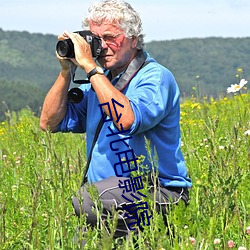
[(141, 100)]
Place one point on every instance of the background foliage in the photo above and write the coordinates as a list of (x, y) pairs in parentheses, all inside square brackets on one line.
[(210, 63), (28, 66), (40, 172)]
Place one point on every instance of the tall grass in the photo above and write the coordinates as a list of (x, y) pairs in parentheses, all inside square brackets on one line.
[(40, 172)]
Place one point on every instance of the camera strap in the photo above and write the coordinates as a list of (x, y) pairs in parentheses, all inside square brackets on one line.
[(136, 64)]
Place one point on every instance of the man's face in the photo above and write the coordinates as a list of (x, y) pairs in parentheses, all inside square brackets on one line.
[(118, 50)]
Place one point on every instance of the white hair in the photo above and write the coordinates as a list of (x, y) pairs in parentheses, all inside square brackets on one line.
[(120, 13)]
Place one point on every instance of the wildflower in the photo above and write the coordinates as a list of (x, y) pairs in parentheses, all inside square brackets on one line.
[(247, 133), (192, 240), (45, 216), (248, 230), (198, 182), (195, 106), (230, 244), (240, 70), (242, 248), (14, 188), (237, 87), (216, 241), (221, 147)]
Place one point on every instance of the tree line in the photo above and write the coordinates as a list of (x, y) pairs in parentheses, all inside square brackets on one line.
[(202, 67)]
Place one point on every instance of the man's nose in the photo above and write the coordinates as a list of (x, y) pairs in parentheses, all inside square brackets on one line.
[(104, 44)]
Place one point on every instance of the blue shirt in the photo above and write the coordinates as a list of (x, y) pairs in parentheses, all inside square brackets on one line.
[(154, 97)]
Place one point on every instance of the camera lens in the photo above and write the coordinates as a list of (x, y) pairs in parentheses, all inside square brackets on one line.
[(65, 48), (75, 95)]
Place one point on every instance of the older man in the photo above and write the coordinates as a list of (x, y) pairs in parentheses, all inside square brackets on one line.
[(141, 100)]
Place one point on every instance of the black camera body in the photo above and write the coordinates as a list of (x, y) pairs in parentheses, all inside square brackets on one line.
[(65, 48)]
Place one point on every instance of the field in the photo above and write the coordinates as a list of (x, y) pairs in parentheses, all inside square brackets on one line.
[(40, 172)]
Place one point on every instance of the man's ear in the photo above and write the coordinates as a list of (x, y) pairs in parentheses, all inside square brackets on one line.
[(134, 42)]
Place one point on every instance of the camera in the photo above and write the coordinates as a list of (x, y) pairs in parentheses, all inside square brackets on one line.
[(65, 48)]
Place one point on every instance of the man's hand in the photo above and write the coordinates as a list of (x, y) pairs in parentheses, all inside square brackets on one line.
[(83, 54), (66, 63)]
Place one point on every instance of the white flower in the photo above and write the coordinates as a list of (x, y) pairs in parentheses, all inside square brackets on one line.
[(237, 87), (192, 240), (242, 248), (248, 230), (246, 133), (217, 241)]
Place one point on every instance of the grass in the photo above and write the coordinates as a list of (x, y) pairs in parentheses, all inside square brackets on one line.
[(40, 172)]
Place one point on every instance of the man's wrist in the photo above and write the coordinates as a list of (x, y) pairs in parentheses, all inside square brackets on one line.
[(96, 70), (65, 73)]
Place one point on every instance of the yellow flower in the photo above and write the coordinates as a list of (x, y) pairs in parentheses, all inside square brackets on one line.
[(195, 105), (240, 70)]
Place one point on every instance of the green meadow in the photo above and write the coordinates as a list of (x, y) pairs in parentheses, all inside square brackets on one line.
[(40, 172)]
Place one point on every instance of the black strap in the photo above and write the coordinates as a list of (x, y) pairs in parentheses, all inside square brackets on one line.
[(136, 64), (97, 132)]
